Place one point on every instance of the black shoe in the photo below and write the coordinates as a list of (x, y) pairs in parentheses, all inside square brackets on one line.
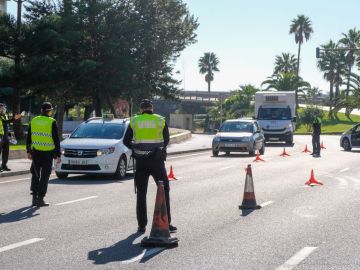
[(41, 202), (5, 168), (141, 229), (172, 229), (34, 200)]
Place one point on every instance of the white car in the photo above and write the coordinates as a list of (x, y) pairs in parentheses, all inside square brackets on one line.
[(351, 138), (96, 147)]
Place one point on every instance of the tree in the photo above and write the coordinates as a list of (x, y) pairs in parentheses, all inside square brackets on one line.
[(301, 28), (285, 63), (286, 82), (207, 65), (350, 41)]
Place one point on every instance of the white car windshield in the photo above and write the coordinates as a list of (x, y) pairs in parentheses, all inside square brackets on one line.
[(99, 131), (237, 127)]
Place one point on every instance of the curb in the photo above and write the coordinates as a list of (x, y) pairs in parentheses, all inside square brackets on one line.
[(323, 133), (8, 174), (180, 137), (189, 151)]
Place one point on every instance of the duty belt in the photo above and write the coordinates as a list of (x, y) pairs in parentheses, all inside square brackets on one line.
[(142, 153)]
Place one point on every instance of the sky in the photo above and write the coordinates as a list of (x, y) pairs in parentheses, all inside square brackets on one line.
[(247, 35)]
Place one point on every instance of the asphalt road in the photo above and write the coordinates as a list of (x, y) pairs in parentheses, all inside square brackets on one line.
[(91, 222)]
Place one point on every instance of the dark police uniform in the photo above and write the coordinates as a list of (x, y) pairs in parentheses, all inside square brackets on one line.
[(149, 150), (316, 136), (4, 144), (44, 145)]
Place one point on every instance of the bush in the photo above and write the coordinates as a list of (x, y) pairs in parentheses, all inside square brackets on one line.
[(307, 116)]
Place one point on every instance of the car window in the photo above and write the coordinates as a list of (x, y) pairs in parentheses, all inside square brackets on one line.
[(274, 114), (99, 131), (357, 129), (237, 127)]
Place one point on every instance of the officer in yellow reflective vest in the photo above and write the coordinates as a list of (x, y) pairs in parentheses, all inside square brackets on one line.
[(43, 145), (148, 137)]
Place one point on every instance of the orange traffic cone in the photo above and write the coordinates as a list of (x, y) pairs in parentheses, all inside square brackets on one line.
[(171, 175), (284, 154), (306, 150), (160, 234), (312, 181), (249, 201), (258, 158), (322, 146)]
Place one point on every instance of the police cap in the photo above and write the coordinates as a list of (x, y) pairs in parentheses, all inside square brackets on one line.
[(146, 103), (46, 106)]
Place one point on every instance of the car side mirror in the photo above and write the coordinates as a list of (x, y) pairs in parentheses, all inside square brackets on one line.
[(258, 131), (216, 130), (294, 119)]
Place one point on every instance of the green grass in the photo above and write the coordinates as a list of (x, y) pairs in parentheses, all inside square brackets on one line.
[(19, 146), (339, 124)]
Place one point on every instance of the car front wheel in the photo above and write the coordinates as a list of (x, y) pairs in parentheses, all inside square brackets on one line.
[(346, 144), (121, 168), (215, 153), (61, 175)]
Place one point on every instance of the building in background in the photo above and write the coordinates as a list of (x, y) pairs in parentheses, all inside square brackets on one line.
[(3, 6)]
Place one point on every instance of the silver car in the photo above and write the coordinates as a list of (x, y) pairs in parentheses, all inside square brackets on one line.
[(351, 138), (239, 135)]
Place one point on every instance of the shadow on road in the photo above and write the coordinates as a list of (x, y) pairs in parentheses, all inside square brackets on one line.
[(120, 252), (279, 144), (244, 213), (89, 180), (18, 215)]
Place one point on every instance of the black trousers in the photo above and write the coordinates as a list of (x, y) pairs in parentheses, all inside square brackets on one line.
[(4, 150), (316, 143), (41, 170), (145, 168)]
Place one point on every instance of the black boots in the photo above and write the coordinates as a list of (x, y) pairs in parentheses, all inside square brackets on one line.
[(41, 202), (34, 199), (38, 201)]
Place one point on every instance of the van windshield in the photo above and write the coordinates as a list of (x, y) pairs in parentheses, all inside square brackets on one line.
[(99, 131), (274, 114)]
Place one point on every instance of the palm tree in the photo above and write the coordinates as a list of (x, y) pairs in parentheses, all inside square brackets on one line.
[(286, 82), (351, 41), (301, 27), (208, 64), (284, 63)]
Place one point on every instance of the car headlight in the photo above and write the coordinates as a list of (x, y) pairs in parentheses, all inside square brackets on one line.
[(217, 139), (105, 151), (246, 139), (62, 150)]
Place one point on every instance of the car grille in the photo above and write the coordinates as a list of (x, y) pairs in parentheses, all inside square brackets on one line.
[(274, 130), (231, 139), (81, 153), (71, 167)]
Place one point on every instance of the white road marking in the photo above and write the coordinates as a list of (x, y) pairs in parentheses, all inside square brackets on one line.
[(225, 168), (355, 180), (343, 182), (78, 200), (144, 254), (344, 170), (20, 244), (297, 258), (181, 156), (15, 180), (266, 203)]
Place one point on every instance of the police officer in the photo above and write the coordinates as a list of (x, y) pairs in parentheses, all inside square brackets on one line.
[(148, 137), (43, 145), (4, 135), (316, 135)]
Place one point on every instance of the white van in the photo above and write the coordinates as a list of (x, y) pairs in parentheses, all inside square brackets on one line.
[(276, 114)]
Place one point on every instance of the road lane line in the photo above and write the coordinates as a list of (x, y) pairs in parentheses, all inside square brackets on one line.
[(78, 200), (225, 168), (20, 244), (343, 182), (15, 180), (198, 154), (344, 170), (144, 254), (266, 203), (297, 258), (355, 180)]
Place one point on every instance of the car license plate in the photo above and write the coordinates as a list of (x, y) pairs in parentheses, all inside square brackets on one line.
[(231, 145), (78, 162), (273, 139)]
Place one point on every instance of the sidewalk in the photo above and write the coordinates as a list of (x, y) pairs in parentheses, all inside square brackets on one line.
[(196, 143)]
